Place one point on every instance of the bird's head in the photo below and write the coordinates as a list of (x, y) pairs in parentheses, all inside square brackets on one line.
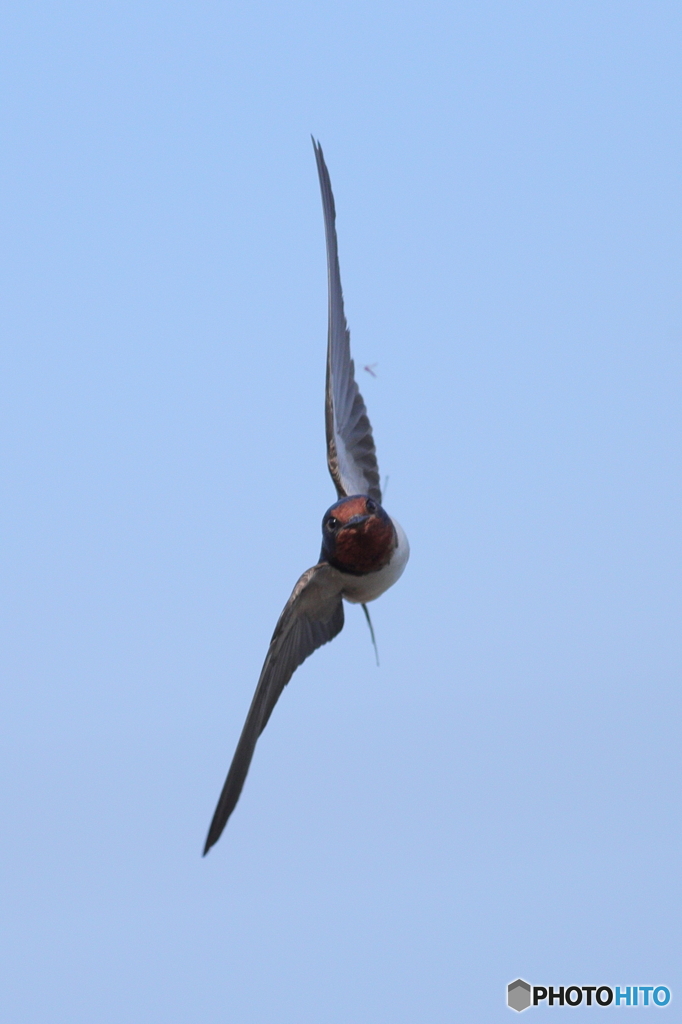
[(357, 535)]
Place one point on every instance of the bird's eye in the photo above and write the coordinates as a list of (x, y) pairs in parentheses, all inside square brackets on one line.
[(371, 505), (332, 523)]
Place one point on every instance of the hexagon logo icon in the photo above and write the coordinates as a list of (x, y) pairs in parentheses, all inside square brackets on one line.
[(518, 995)]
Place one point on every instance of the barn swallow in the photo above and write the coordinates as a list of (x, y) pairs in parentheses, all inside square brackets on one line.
[(364, 551)]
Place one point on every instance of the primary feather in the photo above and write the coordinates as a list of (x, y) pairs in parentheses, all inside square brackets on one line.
[(351, 455)]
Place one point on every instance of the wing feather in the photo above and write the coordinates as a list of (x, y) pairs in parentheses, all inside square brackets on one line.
[(312, 616), (351, 455)]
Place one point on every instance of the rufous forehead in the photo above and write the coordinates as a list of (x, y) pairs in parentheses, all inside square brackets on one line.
[(345, 510)]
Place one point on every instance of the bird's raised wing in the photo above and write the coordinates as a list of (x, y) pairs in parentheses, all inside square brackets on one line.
[(312, 616), (351, 456)]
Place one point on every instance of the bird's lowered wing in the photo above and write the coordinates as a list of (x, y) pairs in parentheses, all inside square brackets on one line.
[(312, 616), (351, 456)]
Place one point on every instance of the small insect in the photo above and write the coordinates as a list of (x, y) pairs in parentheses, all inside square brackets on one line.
[(370, 368)]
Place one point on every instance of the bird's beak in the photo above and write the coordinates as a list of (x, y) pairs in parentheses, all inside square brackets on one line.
[(356, 521)]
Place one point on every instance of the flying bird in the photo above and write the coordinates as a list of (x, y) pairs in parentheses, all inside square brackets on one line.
[(364, 550)]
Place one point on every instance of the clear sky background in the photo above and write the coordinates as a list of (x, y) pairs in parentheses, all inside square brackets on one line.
[(502, 796)]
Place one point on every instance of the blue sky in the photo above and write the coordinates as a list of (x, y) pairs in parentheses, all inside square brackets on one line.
[(502, 796)]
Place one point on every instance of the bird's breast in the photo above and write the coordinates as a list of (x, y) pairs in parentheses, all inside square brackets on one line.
[(358, 589)]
